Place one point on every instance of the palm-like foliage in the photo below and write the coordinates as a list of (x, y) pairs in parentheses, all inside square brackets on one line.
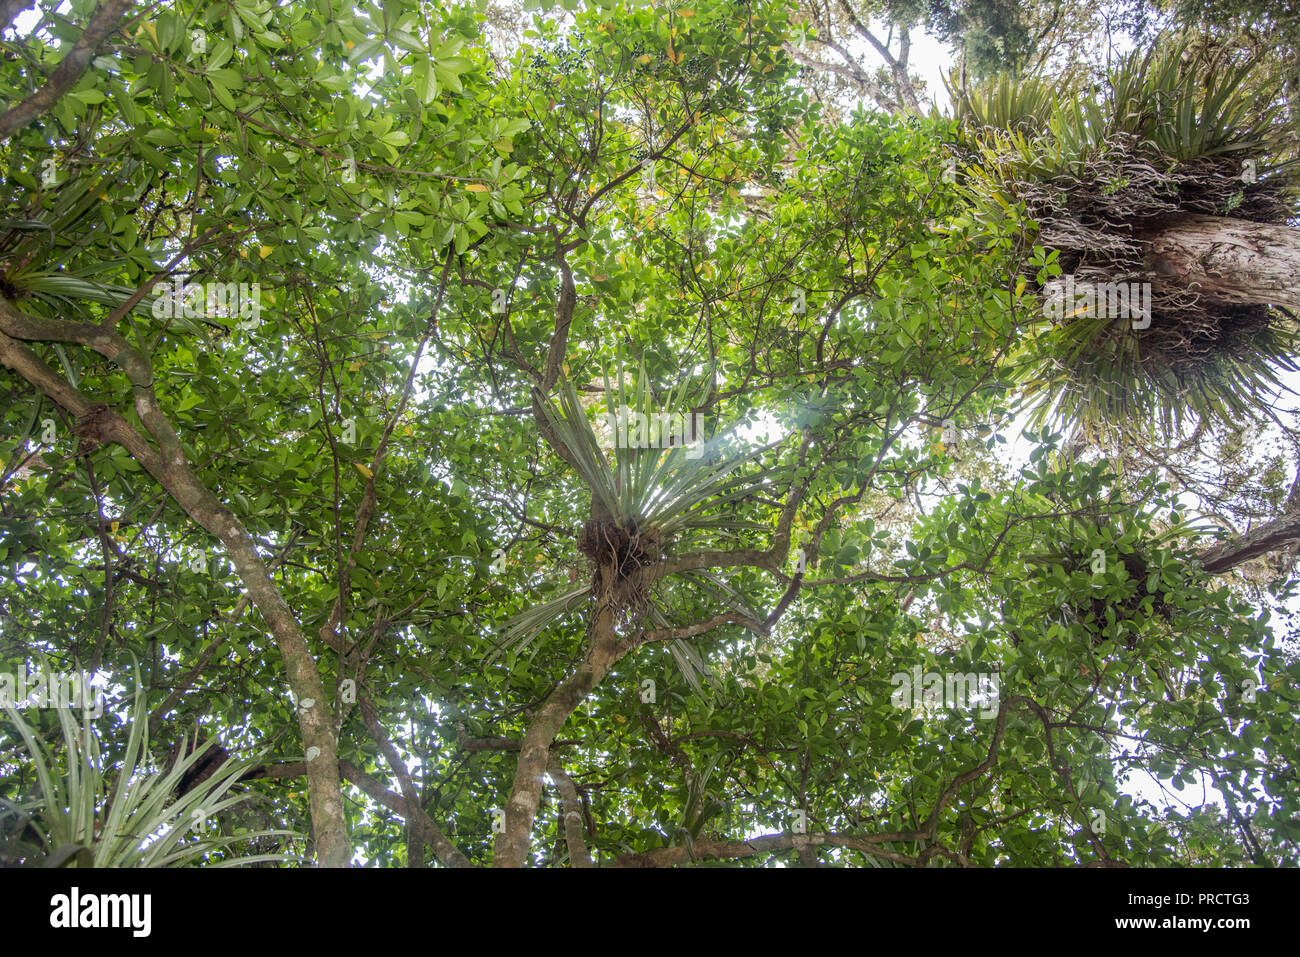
[(1098, 170), (138, 820), (663, 497), (1090, 374), (699, 806), (1176, 106), (669, 489), (1004, 103), (58, 257)]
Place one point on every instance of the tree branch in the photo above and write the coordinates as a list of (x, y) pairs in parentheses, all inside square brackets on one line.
[(1282, 532), (443, 849), (102, 25), (11, 8), (571, 808), (169, 467)]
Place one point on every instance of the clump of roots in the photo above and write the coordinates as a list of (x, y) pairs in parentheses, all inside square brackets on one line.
[(1203, 334), (1185, 342), (625, 546)]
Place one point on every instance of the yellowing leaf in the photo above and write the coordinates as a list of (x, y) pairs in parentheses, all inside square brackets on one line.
[(477, 188), (363, 470), (265, 251), (686, 13), (113, 528), (643, 59)]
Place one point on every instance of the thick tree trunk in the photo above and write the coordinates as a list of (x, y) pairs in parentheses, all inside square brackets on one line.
[(1231, 260), (512, 845)]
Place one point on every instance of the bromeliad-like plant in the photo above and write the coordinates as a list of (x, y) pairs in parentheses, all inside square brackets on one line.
[(53, 257), (645, 503), (90, 815), (1100, 172)]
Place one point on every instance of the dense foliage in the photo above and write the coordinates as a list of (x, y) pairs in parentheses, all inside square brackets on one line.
[(371, 527)]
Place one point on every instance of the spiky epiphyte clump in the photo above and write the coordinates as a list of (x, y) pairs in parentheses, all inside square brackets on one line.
[(1173, 135)]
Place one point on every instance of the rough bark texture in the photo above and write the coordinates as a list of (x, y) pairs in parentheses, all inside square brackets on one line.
[(1279, 533), (1230, 260)]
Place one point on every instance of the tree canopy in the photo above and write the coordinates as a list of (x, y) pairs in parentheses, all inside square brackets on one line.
[(577, 435)]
